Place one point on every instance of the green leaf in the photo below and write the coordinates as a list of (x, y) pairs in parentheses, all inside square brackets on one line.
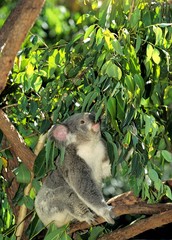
[(130, 83), (127, 139), (138, 43), (76, 37), (98, 113), (120, 107), (48, 150), (158, 185), (108, 136), (162, 144), (148, 124), (29, 202), (104, 12), (91, 100), (111, 106), (140, 82), (129, 115), (40, 164), (114, 71), (37, 84), (36, 227), (55, 233), (168, 95), (153, 175), (34, 39), (137, 165), (45, 126), (95, 232), (23, 102), (33, 108), (101, 59), (22, 174), (117, 46), (155, 56), (168, 192), (99, 36), (167, 155), (88, 31), (135, 17), (149, 51), (158, 34)]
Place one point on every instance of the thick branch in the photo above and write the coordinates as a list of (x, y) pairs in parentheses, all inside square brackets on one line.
[(126, 203), (16, 141), (141, 226), (14, 32)]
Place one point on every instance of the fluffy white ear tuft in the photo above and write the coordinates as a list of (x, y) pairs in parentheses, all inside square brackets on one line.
[(60, 133)]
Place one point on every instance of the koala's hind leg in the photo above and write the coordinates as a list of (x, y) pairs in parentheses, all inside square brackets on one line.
[(61, 205), (67, 206), (77, 209)]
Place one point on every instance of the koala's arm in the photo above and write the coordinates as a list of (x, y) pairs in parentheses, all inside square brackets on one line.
[(106, 167), (79, 177)]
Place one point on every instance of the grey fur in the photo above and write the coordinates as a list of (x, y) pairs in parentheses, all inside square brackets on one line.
[(73, 190)]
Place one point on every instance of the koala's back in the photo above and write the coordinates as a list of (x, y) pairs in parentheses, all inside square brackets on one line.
[(49, 202)]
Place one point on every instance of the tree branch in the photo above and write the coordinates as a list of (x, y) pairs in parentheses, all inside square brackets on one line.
[(126, 203), (140, 226), (16, 141), (14, 32)]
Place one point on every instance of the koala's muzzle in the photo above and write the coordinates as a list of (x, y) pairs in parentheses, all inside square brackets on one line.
[(92, 117), (95, 124)]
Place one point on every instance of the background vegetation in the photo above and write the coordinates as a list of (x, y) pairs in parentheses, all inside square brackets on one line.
[(110, 57)]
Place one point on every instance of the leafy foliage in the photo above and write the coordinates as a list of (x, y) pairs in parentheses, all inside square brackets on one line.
[(117, 64)]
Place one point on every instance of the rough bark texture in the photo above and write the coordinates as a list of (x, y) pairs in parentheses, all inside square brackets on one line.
[(14, 32), (9, 175), (132, 230), (16, 142)]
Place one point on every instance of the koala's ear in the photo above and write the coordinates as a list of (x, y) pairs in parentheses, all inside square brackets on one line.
[(59, 133)]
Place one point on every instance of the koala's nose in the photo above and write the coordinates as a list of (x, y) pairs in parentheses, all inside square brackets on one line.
[(92, 117)]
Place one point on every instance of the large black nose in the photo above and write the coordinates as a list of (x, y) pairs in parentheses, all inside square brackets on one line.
[(92, 117)]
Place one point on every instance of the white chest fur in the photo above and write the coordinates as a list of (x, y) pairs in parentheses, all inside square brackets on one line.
[(93, 154)]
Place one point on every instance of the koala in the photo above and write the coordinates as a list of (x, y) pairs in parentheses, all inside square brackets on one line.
[(73, 190)]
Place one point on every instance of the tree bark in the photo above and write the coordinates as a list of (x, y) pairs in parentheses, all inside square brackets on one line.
[(140, 226), (14, 32), (16, 142)]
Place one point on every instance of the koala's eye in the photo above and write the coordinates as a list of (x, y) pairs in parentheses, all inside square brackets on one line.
[(82, 121)]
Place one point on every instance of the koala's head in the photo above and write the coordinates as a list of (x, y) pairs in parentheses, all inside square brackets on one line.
[(77, 129)]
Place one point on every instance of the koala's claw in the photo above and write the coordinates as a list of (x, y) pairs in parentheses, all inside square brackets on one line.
[(109, 215)]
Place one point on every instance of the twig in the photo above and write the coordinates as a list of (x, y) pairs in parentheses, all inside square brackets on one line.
[(23, 208), (131, 10)]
